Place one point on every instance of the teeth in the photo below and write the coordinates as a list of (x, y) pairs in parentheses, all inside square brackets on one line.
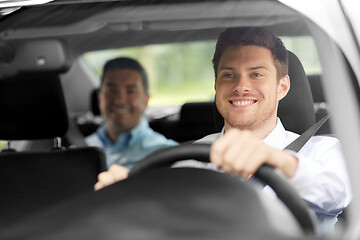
[(119, 109), (242, 103)]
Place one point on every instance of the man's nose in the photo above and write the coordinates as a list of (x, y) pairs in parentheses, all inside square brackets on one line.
[(241, 83), (120, 96)]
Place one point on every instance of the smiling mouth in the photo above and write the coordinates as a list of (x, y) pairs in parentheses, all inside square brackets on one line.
[(116, 109), (243, 103)]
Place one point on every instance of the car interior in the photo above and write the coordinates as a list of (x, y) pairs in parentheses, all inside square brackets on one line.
[(49, 107)]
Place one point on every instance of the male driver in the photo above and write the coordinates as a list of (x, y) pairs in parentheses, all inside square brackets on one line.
[(251, 77), (123, 97)]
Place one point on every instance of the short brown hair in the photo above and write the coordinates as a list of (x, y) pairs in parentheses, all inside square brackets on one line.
[(126, 63), (252, 36)]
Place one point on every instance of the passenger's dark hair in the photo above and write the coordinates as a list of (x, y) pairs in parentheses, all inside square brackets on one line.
[(243, 36), (127, 63)]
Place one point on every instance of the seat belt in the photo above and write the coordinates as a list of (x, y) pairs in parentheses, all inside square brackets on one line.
[(298, 143)]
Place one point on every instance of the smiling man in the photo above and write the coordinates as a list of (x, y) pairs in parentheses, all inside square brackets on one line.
[(244, 94), (250, 80), (123, 97), (251, 66), (251, 77)]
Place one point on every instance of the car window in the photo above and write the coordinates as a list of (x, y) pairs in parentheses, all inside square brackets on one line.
[(178, 72), (182, 72), (3, 145), (305, 49)]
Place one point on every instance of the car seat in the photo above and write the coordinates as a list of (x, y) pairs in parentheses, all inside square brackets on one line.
[(89, 123), (296, 110), (33, 107), (321, 109)]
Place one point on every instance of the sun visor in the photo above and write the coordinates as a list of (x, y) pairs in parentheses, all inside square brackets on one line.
[(36, 56)]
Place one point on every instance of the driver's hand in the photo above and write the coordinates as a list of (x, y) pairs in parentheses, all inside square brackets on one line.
[(241, 153), (114, 174)]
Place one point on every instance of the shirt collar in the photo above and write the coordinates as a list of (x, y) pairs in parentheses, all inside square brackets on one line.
[(126, 138), (139, 131), (277, 137)]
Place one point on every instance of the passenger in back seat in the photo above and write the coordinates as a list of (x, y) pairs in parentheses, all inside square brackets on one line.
[(123, 97)]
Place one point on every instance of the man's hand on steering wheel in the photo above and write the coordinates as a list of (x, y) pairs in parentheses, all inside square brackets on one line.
[(241, 153), (237, 152)]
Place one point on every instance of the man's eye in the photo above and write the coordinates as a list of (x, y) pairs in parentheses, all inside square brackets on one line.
[(111, 90), (131, 90), (256, 75), (228, 75)]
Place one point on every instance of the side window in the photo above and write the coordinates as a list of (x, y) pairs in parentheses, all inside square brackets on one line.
[(3, 145), (305, 49)]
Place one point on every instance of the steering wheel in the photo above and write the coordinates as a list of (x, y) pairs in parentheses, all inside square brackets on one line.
[(266, 173)]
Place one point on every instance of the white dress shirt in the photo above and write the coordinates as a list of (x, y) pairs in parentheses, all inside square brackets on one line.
[(321, 177)]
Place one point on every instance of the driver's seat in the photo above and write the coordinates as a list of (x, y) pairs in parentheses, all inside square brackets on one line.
[(296, 110)]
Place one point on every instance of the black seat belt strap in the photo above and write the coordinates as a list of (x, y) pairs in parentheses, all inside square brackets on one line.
[(298, 143)]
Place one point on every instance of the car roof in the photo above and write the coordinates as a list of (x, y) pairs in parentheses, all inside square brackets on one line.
[(93, 25)]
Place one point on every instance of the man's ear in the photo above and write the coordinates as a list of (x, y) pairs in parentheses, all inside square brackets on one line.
[(147, 99), (283, 87)]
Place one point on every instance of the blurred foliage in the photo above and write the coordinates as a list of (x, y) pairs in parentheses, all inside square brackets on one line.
[(178, 73), (182, 72), (305, 49), (3, 145)]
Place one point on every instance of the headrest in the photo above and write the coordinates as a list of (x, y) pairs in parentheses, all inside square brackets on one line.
[(204, 113), (32, 107), (94, 102), (296, 110)]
